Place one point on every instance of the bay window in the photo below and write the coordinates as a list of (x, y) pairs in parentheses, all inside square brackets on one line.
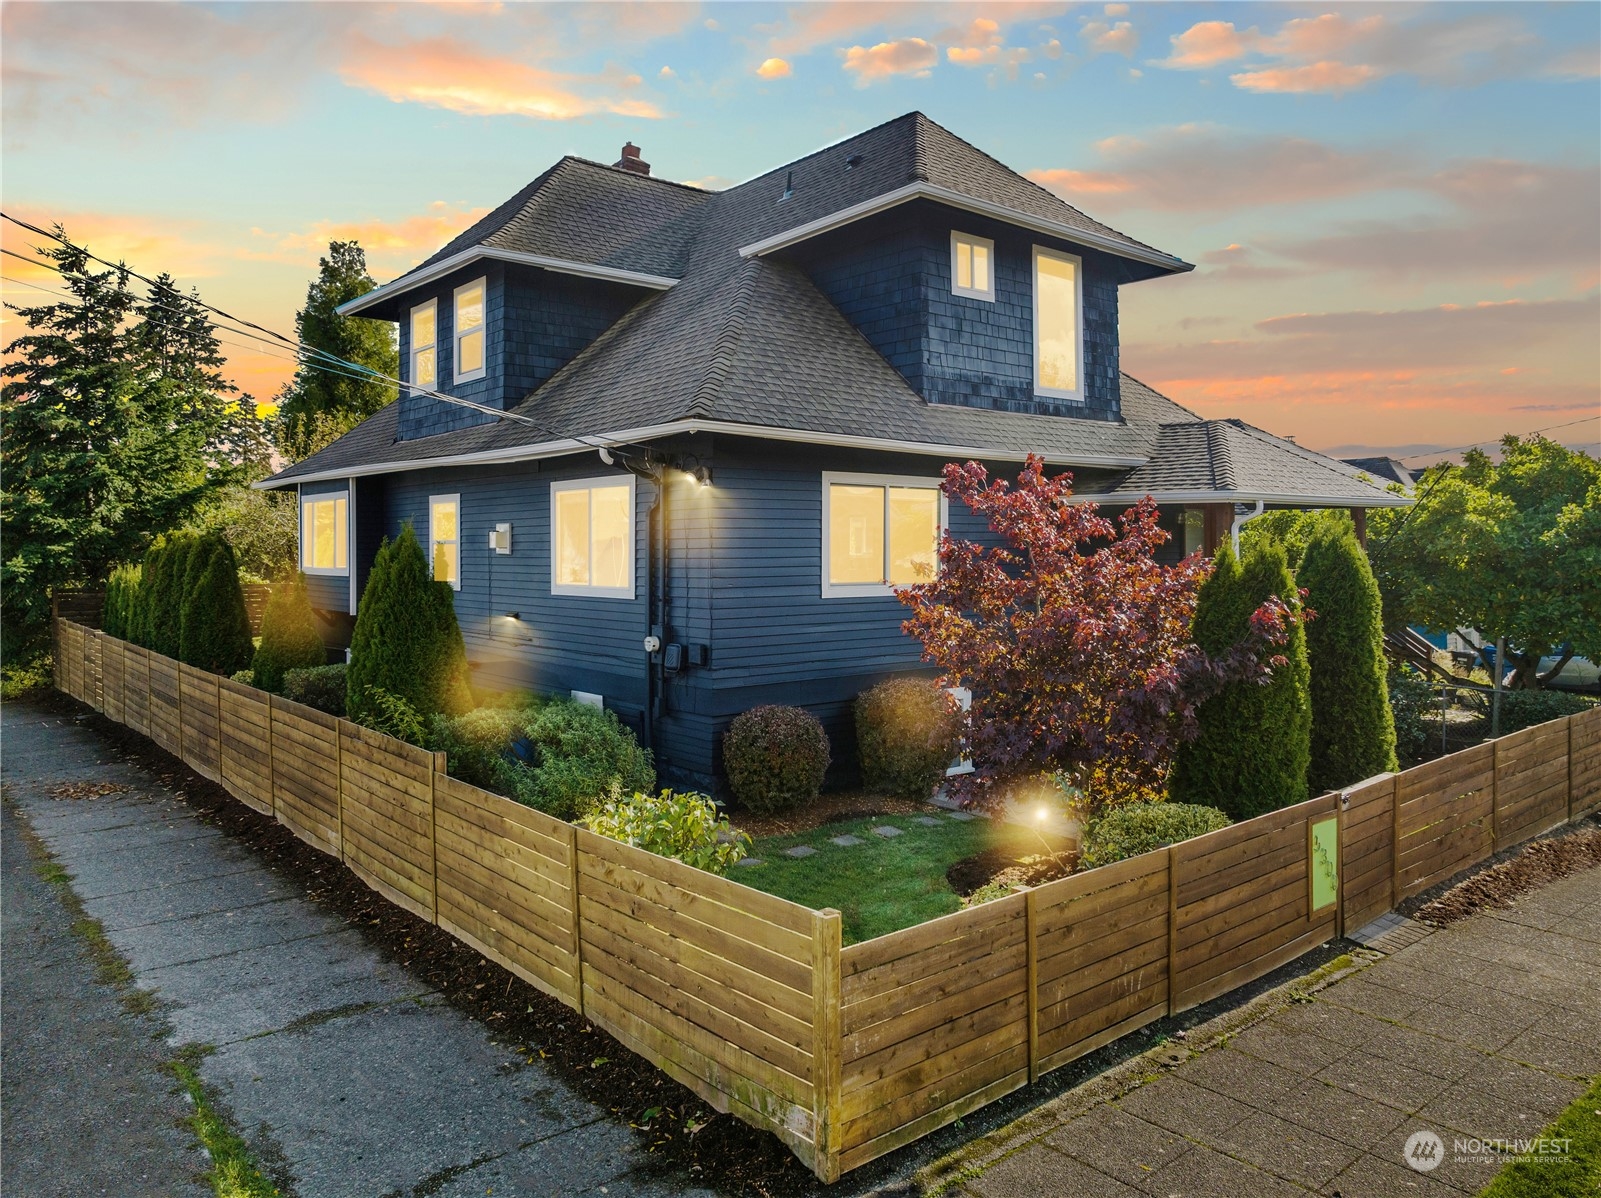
[(879, 532), (1058, 325), (592, 537)]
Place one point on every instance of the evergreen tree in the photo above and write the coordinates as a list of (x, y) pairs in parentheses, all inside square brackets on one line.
[(289, 637), (168, 591), (1251, 754), (406, 640), (122, 602), (1353, 730), (215, 626), (320, 402)]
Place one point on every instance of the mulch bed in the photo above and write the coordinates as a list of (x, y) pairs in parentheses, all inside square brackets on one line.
[(1536, 864), (687, 1140), (842, 807)]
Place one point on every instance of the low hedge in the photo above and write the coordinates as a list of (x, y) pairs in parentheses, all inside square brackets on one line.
[(908, 731), (1136, 828), (322, 687), (775, 758)]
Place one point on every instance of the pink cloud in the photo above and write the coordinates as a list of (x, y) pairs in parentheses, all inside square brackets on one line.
[(1332, 77), (907, 56)]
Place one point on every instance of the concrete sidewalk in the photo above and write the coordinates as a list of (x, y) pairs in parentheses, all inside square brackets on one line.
[(346, 1076), (1487, 1028)]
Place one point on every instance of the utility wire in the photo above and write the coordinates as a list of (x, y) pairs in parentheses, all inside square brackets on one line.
[(1495, 440)]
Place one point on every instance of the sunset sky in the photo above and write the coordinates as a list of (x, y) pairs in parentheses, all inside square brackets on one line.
[(1395, 210)]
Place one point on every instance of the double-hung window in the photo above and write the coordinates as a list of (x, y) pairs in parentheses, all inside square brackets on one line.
[(1058, 325), (325, 533), (424, 353), (444, 538), (879, 532), (972, 266), (469, 331), (592, 537)]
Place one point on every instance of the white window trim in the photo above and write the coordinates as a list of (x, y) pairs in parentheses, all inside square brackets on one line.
[(451, 499), (455, 332), (1078, 318), (977, 293), (627, 590), (307, 498), (867, 590), (411, 348)]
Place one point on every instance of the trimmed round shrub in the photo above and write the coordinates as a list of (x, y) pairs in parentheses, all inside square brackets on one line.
[(1135, 828), (214, 633), (775, 758), (685, 826), (322, 687), (289, 636), (908, 731), (406, 640), (1353, 730), (582, 754)]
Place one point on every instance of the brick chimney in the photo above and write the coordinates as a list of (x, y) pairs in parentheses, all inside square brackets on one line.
[(631, 161)]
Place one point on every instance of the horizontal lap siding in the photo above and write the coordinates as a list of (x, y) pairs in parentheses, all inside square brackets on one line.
[(935, 1023), (1584, 748), (1367, 843), (245, 733), (305, 773), (386, 812), (1101, 948), (1446, 817), (199, 735)]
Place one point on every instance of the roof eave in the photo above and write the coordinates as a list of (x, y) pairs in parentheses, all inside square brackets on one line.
[(1378, 499), (444, 266), (955, 199)]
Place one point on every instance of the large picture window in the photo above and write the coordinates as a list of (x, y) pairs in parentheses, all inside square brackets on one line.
[(325, 533), (469, 326), (1058, 325), (424, 353), (444, 538), (592, 537), (879, 532)]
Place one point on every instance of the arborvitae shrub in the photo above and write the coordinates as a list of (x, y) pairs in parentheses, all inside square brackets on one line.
[(908, 730), (122, 600), (775, 757), (1353, 730), (165, 610), (406, 640), (289, 636), (1251, 754), (215, 627)]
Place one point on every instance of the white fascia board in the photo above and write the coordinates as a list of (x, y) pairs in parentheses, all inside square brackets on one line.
[(955, 199), (1380, 499), (612, 440), (478, 253)]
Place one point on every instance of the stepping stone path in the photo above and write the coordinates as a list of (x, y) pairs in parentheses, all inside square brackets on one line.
[(750, 861), (964, 816), (928, 821), (844, 842), (887, 832), (800, 850)]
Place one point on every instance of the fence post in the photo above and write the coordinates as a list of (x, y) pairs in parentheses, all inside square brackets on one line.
[(1029, 915), (1172, 929), (1395, 842), (1495, 795), (440, 764), (1570, 768), (339, 787), (828, 1047), (578, 927)]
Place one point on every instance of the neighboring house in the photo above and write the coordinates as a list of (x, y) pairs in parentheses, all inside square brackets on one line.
[(709, 426), (1385, 470)]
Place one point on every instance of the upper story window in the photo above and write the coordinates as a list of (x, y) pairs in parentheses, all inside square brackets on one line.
[(972, 266), (1058, 325), (424, 354), (325, 533), (592, 537), (879, 532), (469, 328), (444, 538)]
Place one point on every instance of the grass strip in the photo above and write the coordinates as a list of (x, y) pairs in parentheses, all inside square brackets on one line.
[(1575, 1173), (233, 1172)]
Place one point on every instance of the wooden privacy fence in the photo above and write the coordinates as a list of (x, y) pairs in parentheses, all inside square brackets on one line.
[(750, 1001)]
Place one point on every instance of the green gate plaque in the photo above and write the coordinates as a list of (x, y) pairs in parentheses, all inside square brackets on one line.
[(1323, 862)]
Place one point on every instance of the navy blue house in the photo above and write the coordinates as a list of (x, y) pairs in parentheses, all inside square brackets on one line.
[(675, 448)]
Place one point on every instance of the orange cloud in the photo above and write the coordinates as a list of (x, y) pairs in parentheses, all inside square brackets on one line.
[(774, 68), (1208, 43), (906, 56), (445, 73), (1106, 38), (411, 238), (1333, 77), (147, 244)]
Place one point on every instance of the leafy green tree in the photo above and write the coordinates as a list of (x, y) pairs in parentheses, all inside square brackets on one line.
[(1511, 549), (1252, 751), (289, 636), (406, 641), (214, 626), (318, 401), (1353, 730), (1293, 529)]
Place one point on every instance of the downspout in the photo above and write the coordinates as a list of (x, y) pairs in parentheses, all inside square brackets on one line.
[(1241, 521), (655, 585)]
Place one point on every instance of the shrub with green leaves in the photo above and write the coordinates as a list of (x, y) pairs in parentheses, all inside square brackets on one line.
[(289, 636), (214, 630), (1353, 729), (1251, 754), (244, 677), (1525, 709), (406, 640), (1416, 713), (393, 716), (122, 601), (478, 746), (908, 730), (322, 687), (670, 824), (582, 753), (1135, 828), (775, 758)]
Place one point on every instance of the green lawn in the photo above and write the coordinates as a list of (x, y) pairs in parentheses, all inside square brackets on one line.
[(1575, 1173), (878, 886)]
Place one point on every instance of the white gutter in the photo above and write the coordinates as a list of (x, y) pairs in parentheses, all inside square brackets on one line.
[(583, 270), (1379, 498), (1241, 521), (565, 445), (955, 199)]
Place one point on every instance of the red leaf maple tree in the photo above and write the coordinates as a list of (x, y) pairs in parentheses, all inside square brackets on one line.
[(1073, 639)]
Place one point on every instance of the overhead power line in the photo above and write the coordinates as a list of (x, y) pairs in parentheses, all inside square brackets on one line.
[(1533, 432)]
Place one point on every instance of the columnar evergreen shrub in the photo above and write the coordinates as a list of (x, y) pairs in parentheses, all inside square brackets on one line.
[(289, 636), (1251, 754), (164, 612), (322, 687), (1353, 730), (214, 627), (406, 640), (775, 757), (1135, 828), (908, 730), (122, 602)]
